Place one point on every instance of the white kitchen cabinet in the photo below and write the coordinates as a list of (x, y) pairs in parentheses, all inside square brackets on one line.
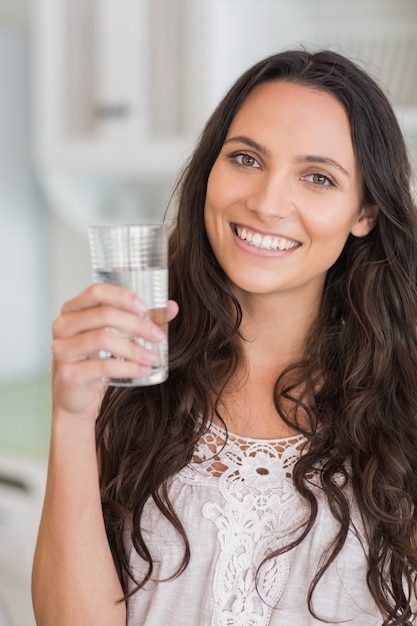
[(123, 86)]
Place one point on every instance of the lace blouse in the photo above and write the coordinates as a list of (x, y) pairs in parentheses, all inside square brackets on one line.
[(237, 503)]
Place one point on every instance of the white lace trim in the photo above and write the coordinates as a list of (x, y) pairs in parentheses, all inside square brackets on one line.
[(257, 511)]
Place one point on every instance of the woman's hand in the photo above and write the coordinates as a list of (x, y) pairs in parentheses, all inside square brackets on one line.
[(100, 318)]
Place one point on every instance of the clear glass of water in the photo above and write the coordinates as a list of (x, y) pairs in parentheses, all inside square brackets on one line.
[(135, 256)]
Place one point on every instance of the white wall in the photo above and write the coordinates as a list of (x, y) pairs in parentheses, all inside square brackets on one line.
[(24, 282)]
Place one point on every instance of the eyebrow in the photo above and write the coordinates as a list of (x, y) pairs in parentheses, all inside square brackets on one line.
[(315, 158), (249, 142), (309, 158)]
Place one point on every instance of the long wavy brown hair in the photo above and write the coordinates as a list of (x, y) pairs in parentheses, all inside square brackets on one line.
[(363, 416)]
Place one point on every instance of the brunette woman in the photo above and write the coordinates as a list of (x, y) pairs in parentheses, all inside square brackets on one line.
[(272, 479)]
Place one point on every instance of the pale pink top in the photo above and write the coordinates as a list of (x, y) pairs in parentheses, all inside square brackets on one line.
[(237, 504)]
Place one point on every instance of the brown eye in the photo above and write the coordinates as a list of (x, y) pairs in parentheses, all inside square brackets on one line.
[(244, 160), (319, 179), (247, 160)]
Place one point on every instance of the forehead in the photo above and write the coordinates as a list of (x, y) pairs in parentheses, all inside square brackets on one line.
[(299, 98), (294, 111)]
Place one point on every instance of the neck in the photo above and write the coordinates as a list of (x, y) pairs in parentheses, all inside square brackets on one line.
[(275, 330), (277, 327)]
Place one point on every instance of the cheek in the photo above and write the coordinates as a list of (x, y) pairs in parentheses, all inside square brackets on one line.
[(215, 203), (224, 188), (211, 222), (328, 238), (333, 223), (214, 200)]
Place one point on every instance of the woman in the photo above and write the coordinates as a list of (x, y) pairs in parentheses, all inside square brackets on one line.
[(273, 478)]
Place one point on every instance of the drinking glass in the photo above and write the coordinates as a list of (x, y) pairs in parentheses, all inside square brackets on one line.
[(135, 256)]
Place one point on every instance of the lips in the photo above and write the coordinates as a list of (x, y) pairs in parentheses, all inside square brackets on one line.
[(264, 242)]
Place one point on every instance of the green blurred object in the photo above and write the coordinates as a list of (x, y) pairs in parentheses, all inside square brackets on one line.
[(25, 417)]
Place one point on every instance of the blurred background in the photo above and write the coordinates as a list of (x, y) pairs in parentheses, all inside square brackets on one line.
[(101, 102)]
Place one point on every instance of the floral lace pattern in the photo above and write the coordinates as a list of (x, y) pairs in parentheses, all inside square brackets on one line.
[(260, 511)]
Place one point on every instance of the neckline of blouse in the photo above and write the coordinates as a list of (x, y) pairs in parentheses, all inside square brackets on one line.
[(227, 435)]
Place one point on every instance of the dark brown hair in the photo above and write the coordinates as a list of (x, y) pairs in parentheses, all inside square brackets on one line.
[(364, 414)]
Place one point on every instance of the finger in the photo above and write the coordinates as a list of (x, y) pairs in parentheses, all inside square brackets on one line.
[(172, 310), (84, 373), (105, 293), (106, 316), (89, 345)]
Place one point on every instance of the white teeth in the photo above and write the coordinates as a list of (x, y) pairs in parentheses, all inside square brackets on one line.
[(257, 240), (265, 242)]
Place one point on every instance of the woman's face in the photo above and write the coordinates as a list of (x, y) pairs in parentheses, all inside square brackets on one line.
[(285, 191)]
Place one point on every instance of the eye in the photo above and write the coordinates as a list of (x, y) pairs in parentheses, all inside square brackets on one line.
[(245, 160), (320, 180)]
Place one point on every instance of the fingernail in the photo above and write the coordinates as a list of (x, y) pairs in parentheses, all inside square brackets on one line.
[(139, 305), (149, 356), (157, 333)]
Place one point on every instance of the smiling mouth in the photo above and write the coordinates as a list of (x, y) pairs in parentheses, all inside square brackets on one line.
[(264, 242)]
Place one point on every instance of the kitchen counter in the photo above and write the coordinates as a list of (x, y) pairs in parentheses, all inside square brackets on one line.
[(25, 409)]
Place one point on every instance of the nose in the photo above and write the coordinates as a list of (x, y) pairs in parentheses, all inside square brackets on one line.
[(271, 198)]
